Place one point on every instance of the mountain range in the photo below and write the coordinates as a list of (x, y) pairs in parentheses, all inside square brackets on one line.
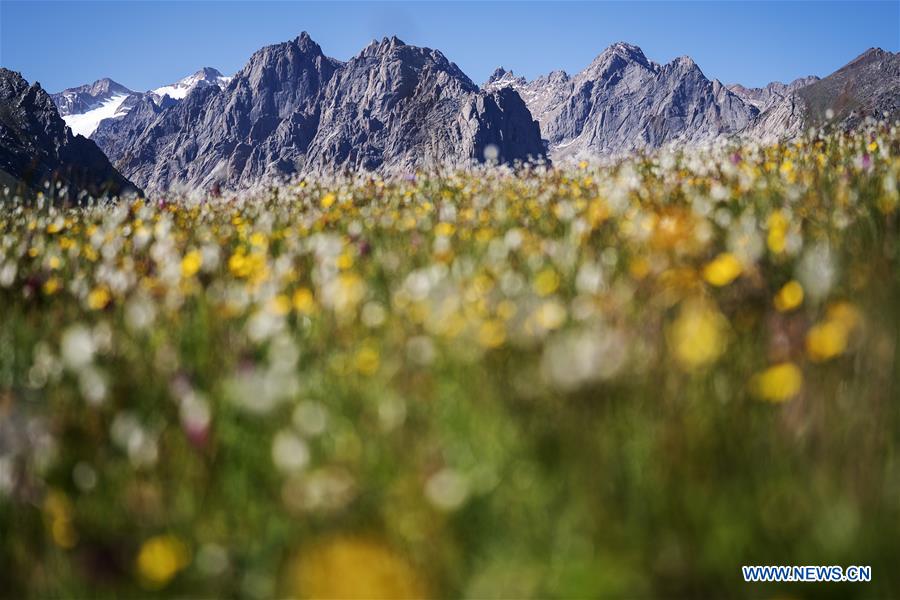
[(623, 102), (395, 107), (83, 108), (36, 147)]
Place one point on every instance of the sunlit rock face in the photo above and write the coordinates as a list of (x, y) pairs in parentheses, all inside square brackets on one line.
[(624, 102)]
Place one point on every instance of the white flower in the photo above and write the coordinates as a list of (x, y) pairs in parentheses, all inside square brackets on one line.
[(289, 451)]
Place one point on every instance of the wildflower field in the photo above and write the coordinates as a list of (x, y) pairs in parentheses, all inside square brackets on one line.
[(619, 380)]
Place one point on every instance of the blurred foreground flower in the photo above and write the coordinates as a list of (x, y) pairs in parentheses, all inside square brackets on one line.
[(698, 336), (829, 338), (724, 269), (352, 567), (160, 559), (778, 383)]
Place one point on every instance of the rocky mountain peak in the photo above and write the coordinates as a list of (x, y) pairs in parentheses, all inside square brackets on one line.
[(869, 56), (624, 50), (406, 66), (207, 73), (81, 99), (306, 44), (498, 74), (558, 76), (615, 58), (501, 78), (684, 64), (301, 49), (106, 86), (385, 46)]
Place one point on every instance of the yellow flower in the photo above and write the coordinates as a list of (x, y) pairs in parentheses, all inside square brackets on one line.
[(546, 282), (873, 146), (98, 298), (160, 559), (698, 336), (367, 360), (51, 286), (826, 340), (787, 167), (491, 334), (248, 266), (258, 239), (789, 297), (279, 305), (444, 229), (639, 267), (778, 383), (344, 261), (58, 517), (351, 567), (327, 200), (724, 269), (191, 263), (236, 264), (303, 301), (777, 238)]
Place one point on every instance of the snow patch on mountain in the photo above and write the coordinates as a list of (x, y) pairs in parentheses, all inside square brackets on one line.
[(86, 123), (180, 89)]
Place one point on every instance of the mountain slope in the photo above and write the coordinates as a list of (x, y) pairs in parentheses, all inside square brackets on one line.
[(83, 107), (867, 86), (766, 97), (37, 147), (623, 102)]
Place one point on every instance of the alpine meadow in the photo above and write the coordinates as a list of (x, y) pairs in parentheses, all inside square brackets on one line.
[(363, 328)]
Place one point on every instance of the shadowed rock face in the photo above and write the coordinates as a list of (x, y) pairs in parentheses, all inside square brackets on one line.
[(37, 147), (292, 109), (623, 102)]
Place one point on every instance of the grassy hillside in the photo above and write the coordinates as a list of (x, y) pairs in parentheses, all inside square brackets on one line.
[(622, 380)]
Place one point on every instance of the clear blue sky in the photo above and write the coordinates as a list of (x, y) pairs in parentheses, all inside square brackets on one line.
[(144, 44)]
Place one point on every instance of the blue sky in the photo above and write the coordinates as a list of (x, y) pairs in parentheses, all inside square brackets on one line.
[(144, 44)]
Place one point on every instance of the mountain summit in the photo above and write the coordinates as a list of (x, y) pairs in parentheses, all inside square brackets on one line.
[(181, 88)]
